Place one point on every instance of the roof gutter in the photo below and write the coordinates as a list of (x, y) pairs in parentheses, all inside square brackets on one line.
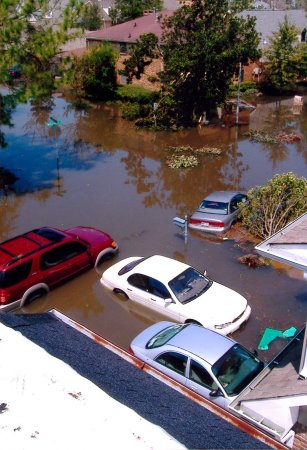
[(243, 425)]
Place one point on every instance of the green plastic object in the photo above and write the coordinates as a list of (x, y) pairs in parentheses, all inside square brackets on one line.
[(270, 334)]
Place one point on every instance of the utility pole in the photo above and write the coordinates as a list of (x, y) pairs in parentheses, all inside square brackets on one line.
[(238, 94)]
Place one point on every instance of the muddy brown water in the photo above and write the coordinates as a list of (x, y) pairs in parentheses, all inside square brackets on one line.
[(97, 170)]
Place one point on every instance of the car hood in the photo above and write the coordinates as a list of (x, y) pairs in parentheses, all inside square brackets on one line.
[(218, 305), (90, 235)]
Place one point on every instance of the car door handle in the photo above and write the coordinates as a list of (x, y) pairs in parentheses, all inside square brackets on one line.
[(128, 289), (153, 299)]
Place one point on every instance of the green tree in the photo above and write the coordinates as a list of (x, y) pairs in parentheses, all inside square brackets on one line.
[(269, 208), (282, 56), (141, 56), (94, 74), (204, 42), (125, 10), (31, 35), (91, 18)]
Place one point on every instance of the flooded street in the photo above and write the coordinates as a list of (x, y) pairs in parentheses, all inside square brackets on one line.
[(99, 171)]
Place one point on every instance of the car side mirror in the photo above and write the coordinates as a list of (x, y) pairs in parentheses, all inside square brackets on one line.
[(216, 393), (168, 301)]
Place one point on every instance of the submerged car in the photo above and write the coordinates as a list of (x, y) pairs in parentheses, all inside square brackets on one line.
[(177, 291), (34, 262), (217, 212), (210, 364)]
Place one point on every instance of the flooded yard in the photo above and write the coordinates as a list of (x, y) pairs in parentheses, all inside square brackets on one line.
[(97, 170)]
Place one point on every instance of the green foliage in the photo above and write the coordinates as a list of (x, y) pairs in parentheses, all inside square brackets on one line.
[(246, 88), (94, 74), (137, 94), (300, 61), (31, 39), (91, 18), (199, 60), (125, 10), (269, 208), (141, 56), (282, 56)]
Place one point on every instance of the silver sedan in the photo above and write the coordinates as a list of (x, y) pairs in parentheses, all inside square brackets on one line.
[(217, 212), (210, 364)]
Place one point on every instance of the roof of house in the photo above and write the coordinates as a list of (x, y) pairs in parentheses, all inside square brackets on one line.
[(289, 245), (268, 21), (188, 422), (130, 31), (282, 376)]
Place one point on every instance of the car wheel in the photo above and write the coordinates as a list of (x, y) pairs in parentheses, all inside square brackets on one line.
[(193, 321), (121, 293), (34, 295)]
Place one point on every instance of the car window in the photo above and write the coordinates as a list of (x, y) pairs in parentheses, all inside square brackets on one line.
[(157, 288), (213, 207), (189, 285), (139, 281), (236, 369), (200, 375), (130, 266), (61, 254), (15, 274), (174, 361), (234, 204), (51, 235), (165, 335)]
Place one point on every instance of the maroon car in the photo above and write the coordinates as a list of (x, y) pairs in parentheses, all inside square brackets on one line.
[(33, 263)]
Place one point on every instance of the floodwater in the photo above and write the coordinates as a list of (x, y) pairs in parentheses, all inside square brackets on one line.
[(97, 170)]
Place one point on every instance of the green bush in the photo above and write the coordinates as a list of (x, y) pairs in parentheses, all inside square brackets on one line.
[(137, 94), (270, 208), (246, 87)]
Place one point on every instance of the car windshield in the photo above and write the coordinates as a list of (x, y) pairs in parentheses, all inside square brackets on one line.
[(213, 207), (236, 369), (164, 336), (189, 285)]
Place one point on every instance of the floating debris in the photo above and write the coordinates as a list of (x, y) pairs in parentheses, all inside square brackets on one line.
[(178, 161), (252, 260), (184, 156), (280, 138)]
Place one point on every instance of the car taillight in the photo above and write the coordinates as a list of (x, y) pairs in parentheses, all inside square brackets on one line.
[(130, 351), (207, 223), (3, 300), (195, 221), (217, 224)]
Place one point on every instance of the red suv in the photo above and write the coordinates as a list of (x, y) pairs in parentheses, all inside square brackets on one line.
[(32, 263)]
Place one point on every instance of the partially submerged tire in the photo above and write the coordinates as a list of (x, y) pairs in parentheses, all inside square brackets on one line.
[(34, 295), (121, 293)]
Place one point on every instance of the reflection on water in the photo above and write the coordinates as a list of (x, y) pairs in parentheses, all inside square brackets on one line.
[(99, 171)]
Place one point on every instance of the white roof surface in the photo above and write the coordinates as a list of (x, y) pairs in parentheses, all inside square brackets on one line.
[(289, 245), (45, 404)]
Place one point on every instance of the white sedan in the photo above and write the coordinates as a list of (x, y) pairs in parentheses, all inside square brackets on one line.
[(177, 291)]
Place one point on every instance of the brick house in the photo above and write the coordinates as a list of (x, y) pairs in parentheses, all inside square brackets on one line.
[(123, 36)]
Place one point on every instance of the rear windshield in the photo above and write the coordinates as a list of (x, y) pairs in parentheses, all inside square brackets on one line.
[(212, 207), (165, 335), (130, 266)]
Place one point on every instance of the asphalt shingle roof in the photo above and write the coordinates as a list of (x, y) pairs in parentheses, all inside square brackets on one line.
[(190, 423)]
